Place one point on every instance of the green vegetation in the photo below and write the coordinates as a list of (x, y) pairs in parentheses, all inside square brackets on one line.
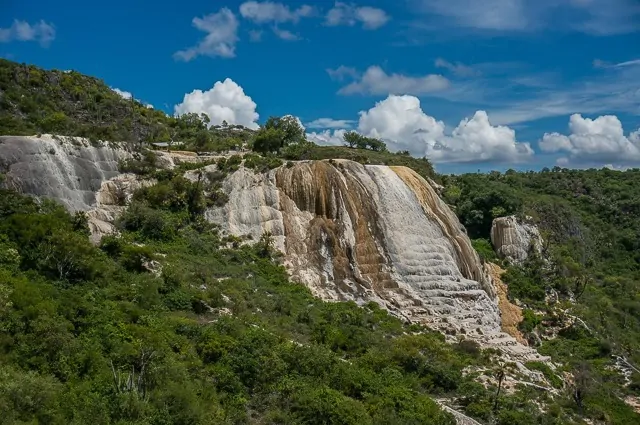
[(311, 151), (35, 101), (172, 323), (355, 140), (585, 288), (278, 133)]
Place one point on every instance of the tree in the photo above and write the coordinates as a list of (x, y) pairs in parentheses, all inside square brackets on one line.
[(290, 127), (581, 383), (351, 138), (278, 133), (268, 140), (355, 140)]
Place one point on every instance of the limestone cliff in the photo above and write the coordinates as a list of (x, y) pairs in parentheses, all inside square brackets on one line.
[(513, 238), (347, 231), (70, 170), (81, 175), (370, 233)]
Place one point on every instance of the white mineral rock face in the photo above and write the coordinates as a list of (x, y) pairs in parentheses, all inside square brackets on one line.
[(371, 233), (347, 231), (67, 169), (71, 170), (512, 238)]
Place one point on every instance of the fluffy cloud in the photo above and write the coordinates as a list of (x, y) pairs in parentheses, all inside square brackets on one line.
[(270, 12), (327, 137), (226, 101), (122, 93), (221, 38), (377, 82), (348, 14), (599, 140), (403, 125), (330, 123), (42, 32)]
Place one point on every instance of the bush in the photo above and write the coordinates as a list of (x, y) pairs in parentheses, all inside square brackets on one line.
[(530, 321), (149, 223), (469, 347)]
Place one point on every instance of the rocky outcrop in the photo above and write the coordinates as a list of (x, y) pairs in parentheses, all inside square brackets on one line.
[(68, 169), (81, 175), (513, 239), (370, 233), (111, 200), (346, 230)]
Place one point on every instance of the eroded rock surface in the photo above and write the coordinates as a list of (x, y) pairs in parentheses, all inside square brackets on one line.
[(510, 313), (371, 233), (513, 238), (347, 231), (68, 169)]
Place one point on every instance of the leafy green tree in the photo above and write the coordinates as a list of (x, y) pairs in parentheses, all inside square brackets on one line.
[(268, 140), (278, 133)]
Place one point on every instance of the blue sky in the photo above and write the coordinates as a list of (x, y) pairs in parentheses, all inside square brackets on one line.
[(407, 71)]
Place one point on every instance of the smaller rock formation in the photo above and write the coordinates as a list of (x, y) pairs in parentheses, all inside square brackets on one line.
[(513, 238), (111, 200), (70, 170)]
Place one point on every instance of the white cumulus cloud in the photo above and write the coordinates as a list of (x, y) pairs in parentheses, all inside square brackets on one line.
[(377, 82), (327, 137), (403, 125), (42, 32), (122, 93), (599, 140), (225, 101), (271, 12), (348, 14), (221, 38)]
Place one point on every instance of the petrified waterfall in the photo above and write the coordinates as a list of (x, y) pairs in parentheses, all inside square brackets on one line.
[(70, 170), (366, 233), (347, 231)]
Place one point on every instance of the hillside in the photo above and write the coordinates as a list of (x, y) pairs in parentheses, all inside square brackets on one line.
[(182, 318), (37, 101), (590, 220)]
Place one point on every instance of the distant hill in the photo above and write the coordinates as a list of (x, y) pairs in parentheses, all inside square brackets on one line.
[(34, 100)]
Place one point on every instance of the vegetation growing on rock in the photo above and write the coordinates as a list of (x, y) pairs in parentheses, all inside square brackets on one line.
[(583, 292)]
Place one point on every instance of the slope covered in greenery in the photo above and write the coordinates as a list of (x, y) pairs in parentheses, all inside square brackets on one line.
[(98, 335), (590, 220), (34, 100), (171, 323)]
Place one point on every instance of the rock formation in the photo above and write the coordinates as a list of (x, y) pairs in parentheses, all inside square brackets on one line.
[(81, 175), (513, 238), (370, 233), (347, 231), (68, 169), (510, 313)]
